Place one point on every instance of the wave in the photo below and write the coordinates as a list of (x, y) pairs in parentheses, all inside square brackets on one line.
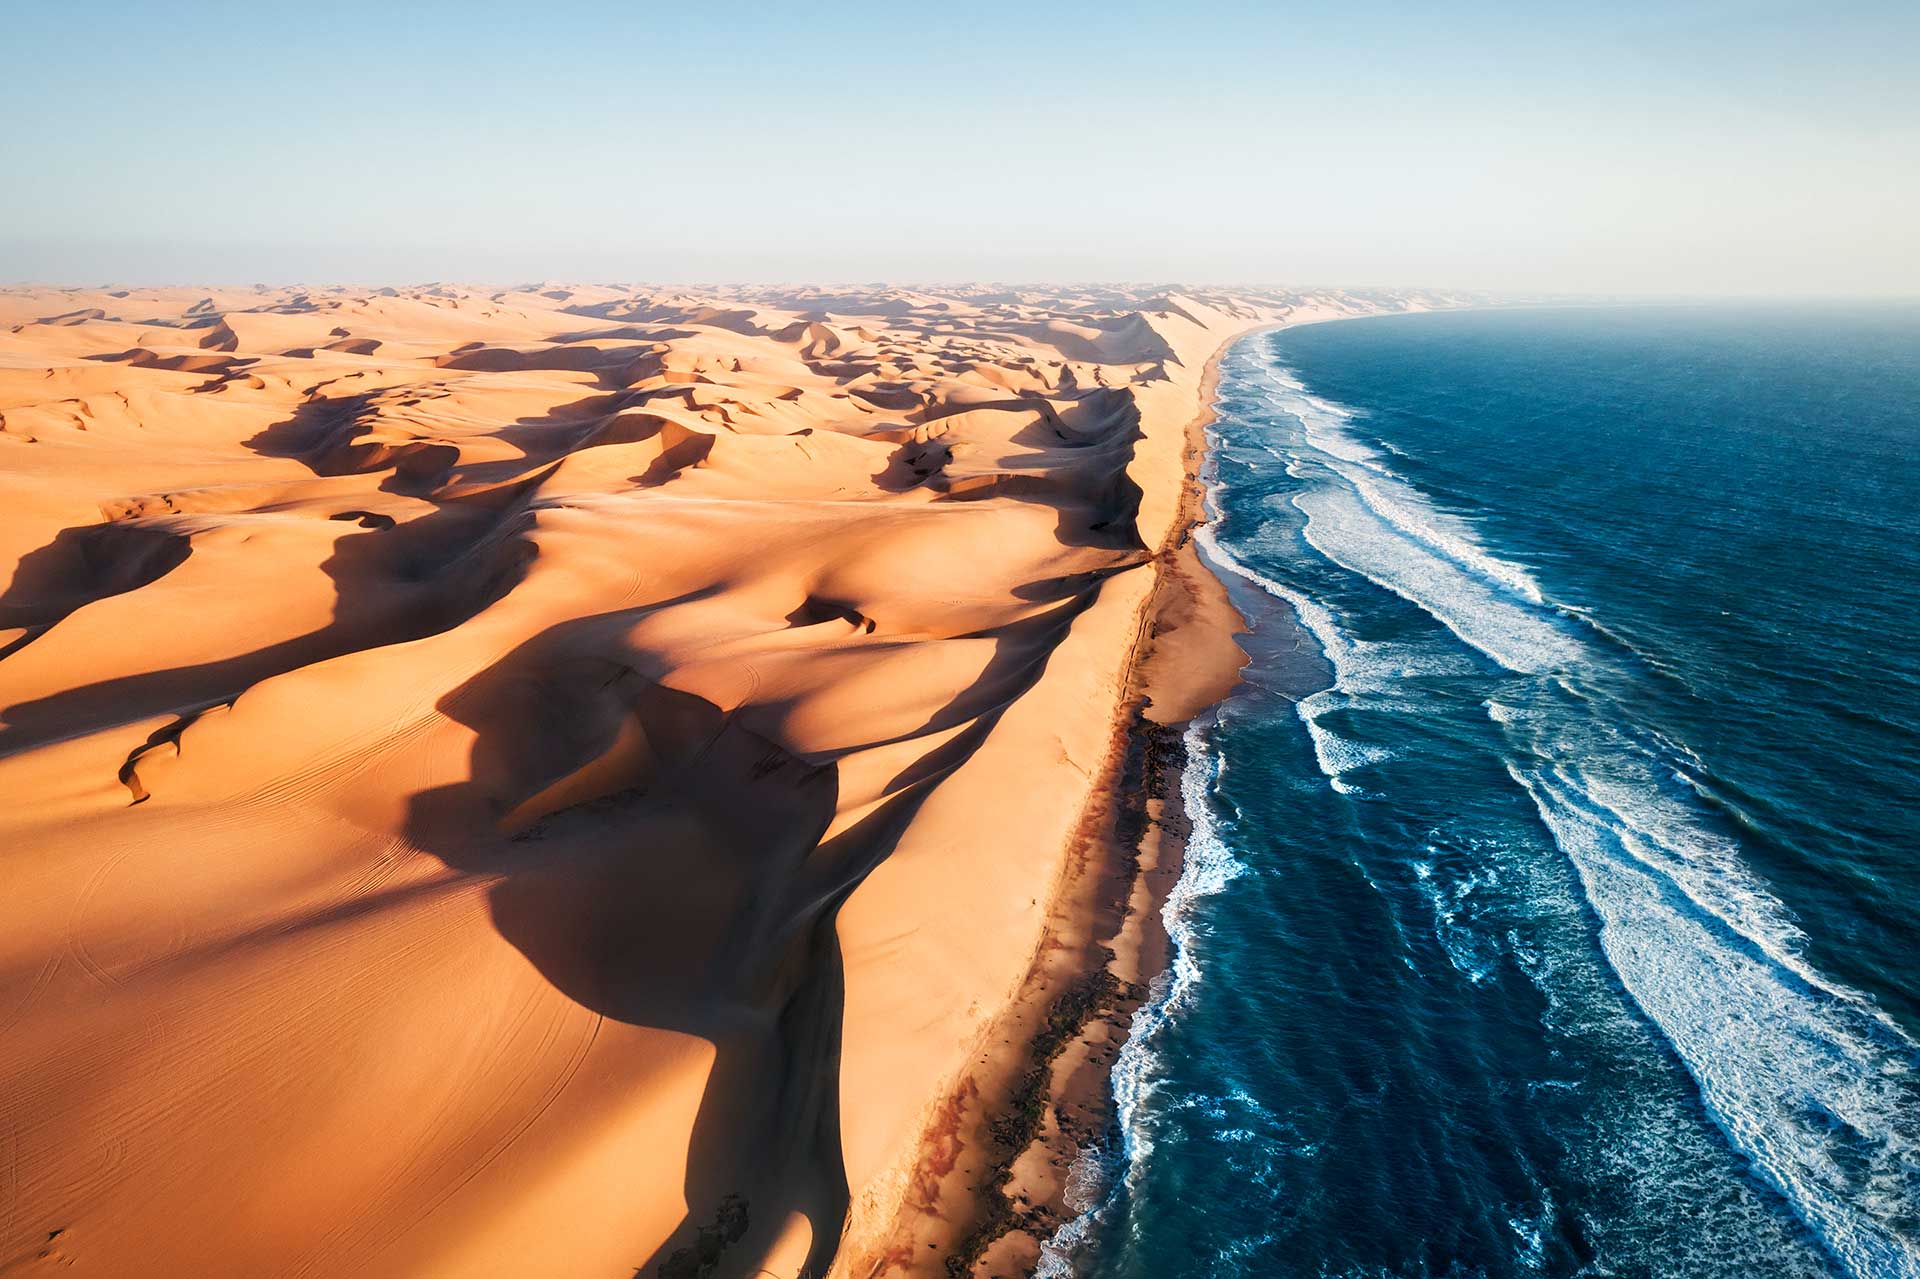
[(1521, 639), (1454, 924), (1356, 667), (1803, 1076), (1336, 755), (1401, 544), (1208, 866), (1324, 427)]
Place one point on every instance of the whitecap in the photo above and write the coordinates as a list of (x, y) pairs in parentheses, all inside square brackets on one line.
[(1519, 638), (1804, 1076), (1810, 1081), (1208, 866)]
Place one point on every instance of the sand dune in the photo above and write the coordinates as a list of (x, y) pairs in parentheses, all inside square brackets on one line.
[(546, 781)]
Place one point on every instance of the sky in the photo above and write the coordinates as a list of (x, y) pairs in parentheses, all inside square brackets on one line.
[(1667, 149)]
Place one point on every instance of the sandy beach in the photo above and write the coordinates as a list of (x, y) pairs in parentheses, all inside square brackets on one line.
[(586, 780)]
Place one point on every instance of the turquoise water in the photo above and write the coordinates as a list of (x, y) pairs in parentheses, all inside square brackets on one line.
[(1554, 901)]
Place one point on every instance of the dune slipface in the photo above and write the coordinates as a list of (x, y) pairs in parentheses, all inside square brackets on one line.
[(556, 781)]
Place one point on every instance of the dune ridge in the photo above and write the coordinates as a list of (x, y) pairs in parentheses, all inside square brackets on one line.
[(553, 780)]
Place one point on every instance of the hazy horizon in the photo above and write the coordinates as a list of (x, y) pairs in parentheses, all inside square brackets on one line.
[(1693, 151)]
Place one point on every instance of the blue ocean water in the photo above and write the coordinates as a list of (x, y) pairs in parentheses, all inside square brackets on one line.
[(1553, 906)]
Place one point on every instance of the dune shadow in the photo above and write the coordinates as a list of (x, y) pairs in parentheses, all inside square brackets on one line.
[(662, 864), (665, 863), (393, 582), (660, 860), (80, 566)]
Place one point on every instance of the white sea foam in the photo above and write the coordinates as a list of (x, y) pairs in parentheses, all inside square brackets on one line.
[(1325, 427), (1512, 633), (1531, 1230), (1208, 866), (1313, 615), (1454, 921), (1088, 1183), (1352, 670), (1057, 1251), (1424, 557), (1805, 1077), (1288, 394), (1336, 755), (1399, 506), (1622, 784), (1810, 1082)]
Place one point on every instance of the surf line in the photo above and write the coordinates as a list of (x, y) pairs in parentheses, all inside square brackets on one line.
[(1804, 1077)]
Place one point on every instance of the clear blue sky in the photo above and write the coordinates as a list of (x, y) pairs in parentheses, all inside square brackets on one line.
[(1682, 147)]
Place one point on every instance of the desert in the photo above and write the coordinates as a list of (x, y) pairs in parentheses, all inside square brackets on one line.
[(569, 779)]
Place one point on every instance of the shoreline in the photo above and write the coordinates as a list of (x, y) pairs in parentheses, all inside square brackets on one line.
[(829, 600), (1105, 940)]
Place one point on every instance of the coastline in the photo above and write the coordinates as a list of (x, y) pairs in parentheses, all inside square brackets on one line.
[(1208, 1076), (1107, 941), (992, 1172), (1105, 938), (892, 709)]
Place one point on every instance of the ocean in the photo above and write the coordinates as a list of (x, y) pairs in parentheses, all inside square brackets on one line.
[(1553, 904)]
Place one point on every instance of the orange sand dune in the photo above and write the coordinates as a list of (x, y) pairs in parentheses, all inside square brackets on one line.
[(549, 781)]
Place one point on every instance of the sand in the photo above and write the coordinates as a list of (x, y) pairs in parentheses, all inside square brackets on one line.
[(569, 780)]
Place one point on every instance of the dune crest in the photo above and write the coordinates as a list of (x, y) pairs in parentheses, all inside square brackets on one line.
[(547, 781)]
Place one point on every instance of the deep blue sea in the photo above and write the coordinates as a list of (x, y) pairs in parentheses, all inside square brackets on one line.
[(1553, 906)]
